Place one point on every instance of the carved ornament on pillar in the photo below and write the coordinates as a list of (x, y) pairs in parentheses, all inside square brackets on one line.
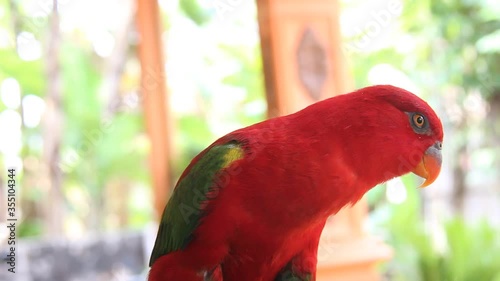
[(312, 64)]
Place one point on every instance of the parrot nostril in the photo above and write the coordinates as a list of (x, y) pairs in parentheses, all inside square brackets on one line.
[(438, 145)]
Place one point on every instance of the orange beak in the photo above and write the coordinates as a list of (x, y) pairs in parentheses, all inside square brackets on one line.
[(430, 166)]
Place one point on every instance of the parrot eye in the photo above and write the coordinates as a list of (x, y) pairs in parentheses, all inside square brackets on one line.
[(418, 120), (419, 123)]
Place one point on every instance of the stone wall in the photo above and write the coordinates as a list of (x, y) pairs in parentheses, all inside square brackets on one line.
[(119, 256)]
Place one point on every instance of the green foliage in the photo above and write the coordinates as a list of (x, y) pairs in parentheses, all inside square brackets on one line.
[(193, 137), (231, 72), (97, 150), (103, 154), (456, 251), (29, 74), (194, 11), (452, 54), (249, 78), (31, 228), (455, 43)]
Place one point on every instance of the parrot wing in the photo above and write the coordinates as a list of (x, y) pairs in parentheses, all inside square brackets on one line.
[(184, 210)]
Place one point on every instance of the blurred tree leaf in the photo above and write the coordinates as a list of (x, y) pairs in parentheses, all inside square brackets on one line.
[(29, 74), (195, 11)]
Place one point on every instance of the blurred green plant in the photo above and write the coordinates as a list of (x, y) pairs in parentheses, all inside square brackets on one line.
[(450, 51), (453, 251), (193, 10), (104, 148)]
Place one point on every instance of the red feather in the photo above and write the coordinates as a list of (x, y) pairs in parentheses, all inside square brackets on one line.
[(298, 170)]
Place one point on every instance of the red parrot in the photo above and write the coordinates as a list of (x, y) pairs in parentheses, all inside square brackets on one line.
[(252, 205)]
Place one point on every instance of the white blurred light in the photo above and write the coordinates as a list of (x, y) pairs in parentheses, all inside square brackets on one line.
[(10, 92), (405, 44), (28, 48), (396, 191), (35, 142), (103, 43), (13, 161), (439, 237), (10, 120), (10, 126), (476, 105), (131, 101), (73, 227), (382, 74), (5, 39), (33, 108), (489, 43), (167, 5), (254, 108)]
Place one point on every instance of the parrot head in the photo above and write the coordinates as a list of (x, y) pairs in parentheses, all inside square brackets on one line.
[(387, 132), (416, 132)]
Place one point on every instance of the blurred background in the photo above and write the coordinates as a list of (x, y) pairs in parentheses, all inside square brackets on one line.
[(75, 125)]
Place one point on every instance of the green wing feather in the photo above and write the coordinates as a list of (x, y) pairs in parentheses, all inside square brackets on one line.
[(183, 211), (288, 274)]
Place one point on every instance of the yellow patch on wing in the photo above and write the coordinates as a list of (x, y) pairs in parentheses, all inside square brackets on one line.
[(233, 154)]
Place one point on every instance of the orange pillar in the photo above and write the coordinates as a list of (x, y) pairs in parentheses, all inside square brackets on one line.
[(303, 63), (153, 95), (303, 60)]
